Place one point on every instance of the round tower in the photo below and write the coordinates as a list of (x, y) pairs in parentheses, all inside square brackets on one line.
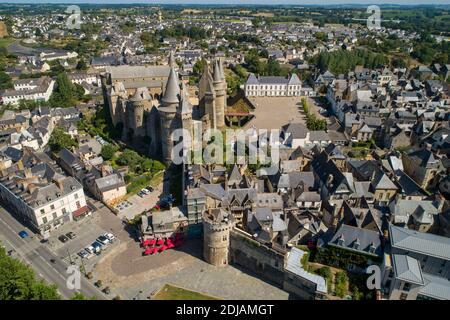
[(139, 102), (168, 111), (217, 225)]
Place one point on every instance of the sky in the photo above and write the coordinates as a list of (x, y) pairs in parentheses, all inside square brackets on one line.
[(242, 2)]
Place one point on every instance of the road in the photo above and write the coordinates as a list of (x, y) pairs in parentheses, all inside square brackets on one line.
[(38, 257)]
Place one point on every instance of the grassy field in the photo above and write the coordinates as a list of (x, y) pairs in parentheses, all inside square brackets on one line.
[(5, 42), (170, 292)]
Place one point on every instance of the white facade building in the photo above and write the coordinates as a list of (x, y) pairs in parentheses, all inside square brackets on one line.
[(44, 204), (273, 86), (28, 89)]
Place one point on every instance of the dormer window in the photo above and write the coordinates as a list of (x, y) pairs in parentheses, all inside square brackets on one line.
[(341, 240), (356, 244), (372, 248)]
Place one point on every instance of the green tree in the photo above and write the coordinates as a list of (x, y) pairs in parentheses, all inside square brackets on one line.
[(341, 284), (60, 139), (108, 151), (18, 281), (65, 93), (5, 81), (199, 66), (81, 65)]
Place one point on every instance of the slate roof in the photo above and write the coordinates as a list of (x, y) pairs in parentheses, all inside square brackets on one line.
[(296, 130), (109, 182), (172, 92), (423, 243), (352, 235), (381, 181), (407, 269), (435, 287), (293, 264)]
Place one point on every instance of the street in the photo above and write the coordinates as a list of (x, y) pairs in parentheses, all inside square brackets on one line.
[(38, 256)]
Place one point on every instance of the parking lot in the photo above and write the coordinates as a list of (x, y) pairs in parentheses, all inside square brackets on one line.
[(86, 232), (137, 204)]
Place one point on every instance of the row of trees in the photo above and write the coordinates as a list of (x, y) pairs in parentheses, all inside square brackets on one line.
[(270, 68), (312, 122), (342, 61)]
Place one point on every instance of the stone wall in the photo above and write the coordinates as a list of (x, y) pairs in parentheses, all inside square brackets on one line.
[(257, 258)]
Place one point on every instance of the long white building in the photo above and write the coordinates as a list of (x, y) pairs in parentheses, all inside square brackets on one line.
[(28, 89), (275, 87)]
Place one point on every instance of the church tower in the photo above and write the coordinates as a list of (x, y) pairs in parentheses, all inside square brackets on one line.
[(168, 111)]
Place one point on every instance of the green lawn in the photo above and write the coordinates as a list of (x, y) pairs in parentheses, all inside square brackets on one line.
[(170, 292)]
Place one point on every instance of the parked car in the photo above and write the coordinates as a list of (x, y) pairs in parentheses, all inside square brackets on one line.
[(23, 234), (63, 238), (141, 194), (97, 246), (71, 235), (103, 240), (110, 236), (91, 249), (84, 253), (150, 188)]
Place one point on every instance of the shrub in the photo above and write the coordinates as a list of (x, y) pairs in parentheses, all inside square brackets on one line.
[(341, 284)]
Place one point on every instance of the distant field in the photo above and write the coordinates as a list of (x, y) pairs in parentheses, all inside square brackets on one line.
[(264, 14), (5, 42), (170, 292), (191, 11)]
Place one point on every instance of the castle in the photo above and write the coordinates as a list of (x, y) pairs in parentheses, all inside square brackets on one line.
[(147, 102)]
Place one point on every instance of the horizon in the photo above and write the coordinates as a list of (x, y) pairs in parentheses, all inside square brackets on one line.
[(238, 2)]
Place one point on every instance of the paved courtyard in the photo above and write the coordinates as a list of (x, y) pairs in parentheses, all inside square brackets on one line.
[(274, 112), (133, 276)]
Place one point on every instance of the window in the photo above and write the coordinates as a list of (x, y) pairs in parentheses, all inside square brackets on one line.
[(224, 238), (55, 215), (64, 211), (76, 195), (403, 296), (407, 287), (42, 211), (44, 219), (52, 207), (78, 204)]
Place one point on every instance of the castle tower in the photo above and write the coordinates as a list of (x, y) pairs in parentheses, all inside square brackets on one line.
[(138, 103), (185, 110), (217, 225), (168, 110), (115, 94), (221, 96), (205, 87)]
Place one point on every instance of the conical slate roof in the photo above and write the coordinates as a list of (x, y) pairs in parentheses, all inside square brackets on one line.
[(217, 74), (141, 94), (172, 88), (206, 81), (186, 106)]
